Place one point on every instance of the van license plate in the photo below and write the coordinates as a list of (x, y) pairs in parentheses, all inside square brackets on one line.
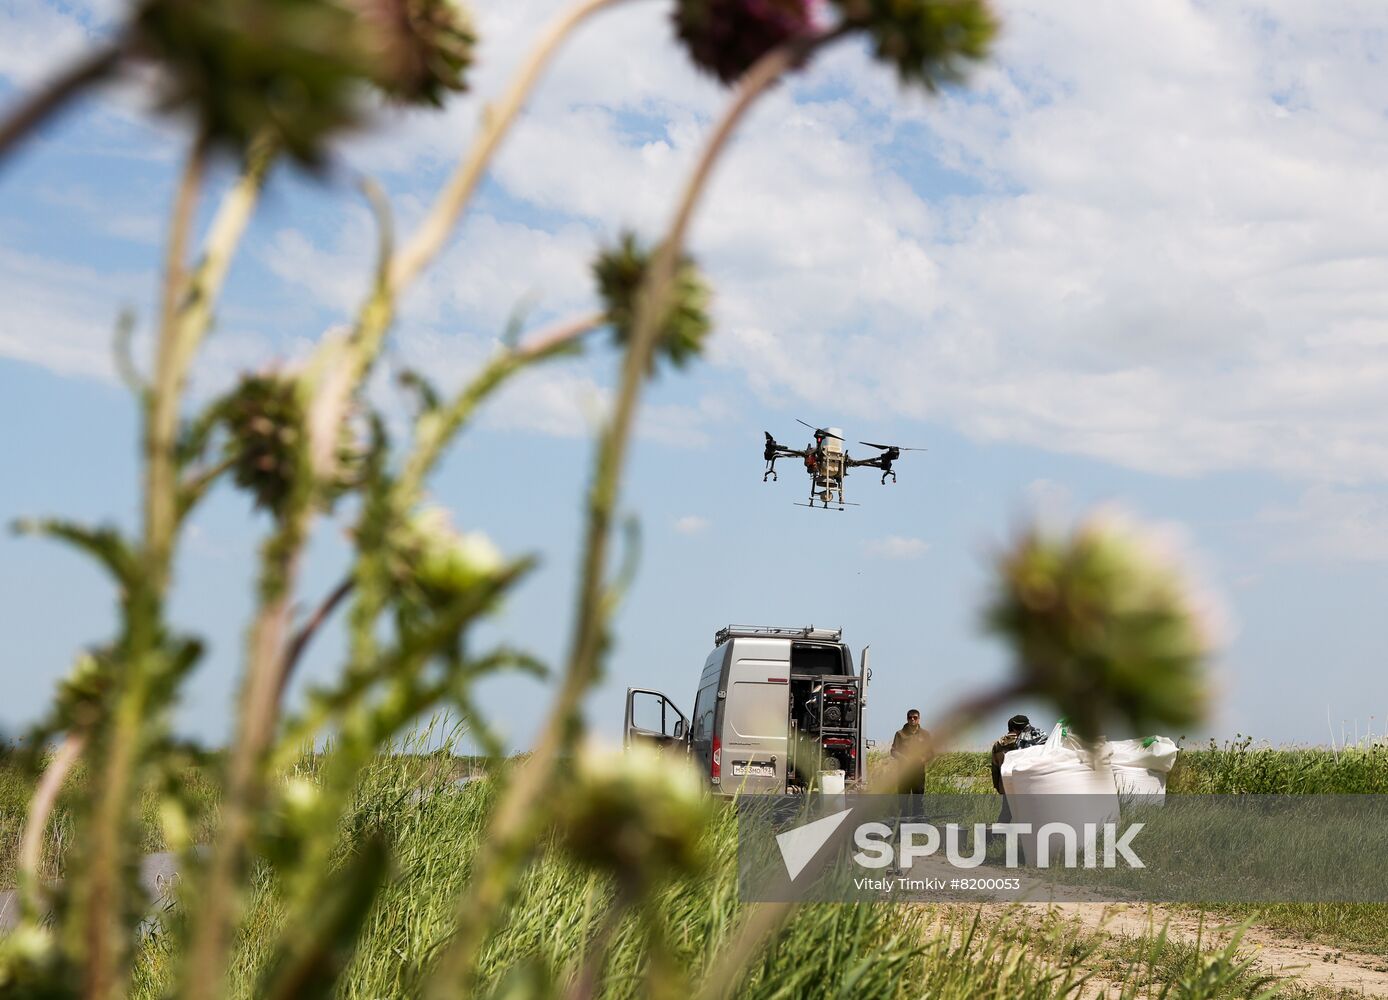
[(753, 769)]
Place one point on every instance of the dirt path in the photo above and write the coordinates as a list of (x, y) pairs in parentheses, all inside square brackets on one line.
[(1310, 964), (1314, 965)]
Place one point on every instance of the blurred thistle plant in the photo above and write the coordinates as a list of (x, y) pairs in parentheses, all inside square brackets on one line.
[(267, 440), (637, 815), (929, 42), (261, 77), (445, 562), (639, 818), (725, 37), (265, 423), (84, 690), (1104, 623), (422, 48), (433, 565), (289, 69), (621, 273)]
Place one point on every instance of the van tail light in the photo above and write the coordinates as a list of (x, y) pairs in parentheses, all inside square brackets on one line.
[(716, 767)]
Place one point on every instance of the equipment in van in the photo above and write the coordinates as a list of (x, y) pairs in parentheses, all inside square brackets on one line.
[(774, 710), (827, 463)]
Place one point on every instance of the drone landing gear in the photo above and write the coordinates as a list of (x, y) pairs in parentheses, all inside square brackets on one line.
[(771, 473), (822, 499), (889, 472)]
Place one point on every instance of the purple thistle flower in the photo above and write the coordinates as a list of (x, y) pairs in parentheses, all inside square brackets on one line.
[(726, 37)]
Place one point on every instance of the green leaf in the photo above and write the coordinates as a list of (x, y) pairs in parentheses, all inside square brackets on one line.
[(105, 544)]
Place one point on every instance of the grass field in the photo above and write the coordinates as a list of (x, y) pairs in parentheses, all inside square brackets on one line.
[(1243, 767), (865, 951)]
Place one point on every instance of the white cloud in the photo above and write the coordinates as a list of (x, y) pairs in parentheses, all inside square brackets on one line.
[(692, 524), (1152, 234), (62, 315), (38, 38), (1330, 524), (897, 547)]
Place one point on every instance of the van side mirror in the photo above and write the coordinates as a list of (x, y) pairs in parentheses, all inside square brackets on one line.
[(679, 729)]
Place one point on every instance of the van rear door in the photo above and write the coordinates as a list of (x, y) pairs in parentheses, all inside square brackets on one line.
[(653, 719), (756, 717), (864, 675)]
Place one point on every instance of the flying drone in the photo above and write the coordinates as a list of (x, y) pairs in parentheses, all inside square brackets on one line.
[(827, 463)]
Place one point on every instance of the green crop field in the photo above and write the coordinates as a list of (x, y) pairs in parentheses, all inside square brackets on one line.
[(1243, 767), (432, 827)]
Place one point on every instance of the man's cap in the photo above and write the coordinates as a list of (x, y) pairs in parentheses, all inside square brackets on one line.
[(913, 711), (1017, 723)]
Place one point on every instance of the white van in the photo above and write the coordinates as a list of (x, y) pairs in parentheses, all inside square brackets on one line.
[(774, 707)]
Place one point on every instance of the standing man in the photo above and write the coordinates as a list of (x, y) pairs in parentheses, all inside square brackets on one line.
[(911, 750), (1016, 726)]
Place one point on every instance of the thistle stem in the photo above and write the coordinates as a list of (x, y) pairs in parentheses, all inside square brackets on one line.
[(104, 902), (33, 110), (259, 714), (132, 725), (434, 435), (310, 628), (518, 816), (40, 808), (496, 121)]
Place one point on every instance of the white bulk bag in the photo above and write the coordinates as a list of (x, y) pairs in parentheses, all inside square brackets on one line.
[(1059, 781), (1140, 767)]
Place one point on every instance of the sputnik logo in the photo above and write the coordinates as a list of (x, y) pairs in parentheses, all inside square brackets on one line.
[(799, 846)]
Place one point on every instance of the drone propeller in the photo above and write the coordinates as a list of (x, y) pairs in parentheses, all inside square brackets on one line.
[(889, 447), (819, 430)]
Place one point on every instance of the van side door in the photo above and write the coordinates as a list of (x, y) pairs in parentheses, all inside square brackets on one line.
[(702, 727), (653, 719)]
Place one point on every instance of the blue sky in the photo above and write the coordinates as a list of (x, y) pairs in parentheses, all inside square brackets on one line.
[(1140, 261)]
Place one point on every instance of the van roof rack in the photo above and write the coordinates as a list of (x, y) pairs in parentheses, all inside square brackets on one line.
[(775, 632)]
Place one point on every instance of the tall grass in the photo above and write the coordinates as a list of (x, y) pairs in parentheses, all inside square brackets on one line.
[(1238, 767), (1243, 767), (434, 827), (17, 788)]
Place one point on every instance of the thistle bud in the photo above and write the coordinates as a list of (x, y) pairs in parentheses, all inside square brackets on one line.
[(245, 67), (1105, 624), (639, 815), (620, 274), (31, 964), (421, 48), (83, 692), (264, 417), (725, 37), (929, 42), (430, 554)]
